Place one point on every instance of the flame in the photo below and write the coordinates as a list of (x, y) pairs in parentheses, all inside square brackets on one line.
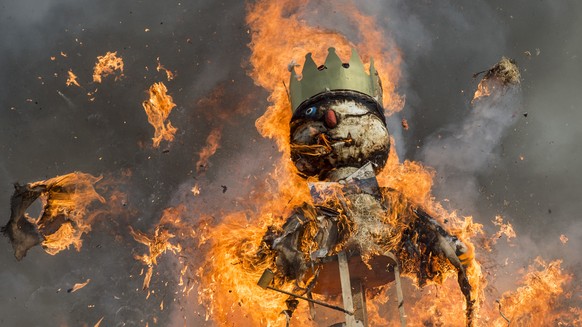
[(67, 197), (502, 74), (107, 65), (158, 108), (534, 303), (72, 80), (157, 244), (160, 67), (504, 229), (484, 89), (212, 144)]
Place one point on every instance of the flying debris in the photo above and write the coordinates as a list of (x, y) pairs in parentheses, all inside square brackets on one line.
[(339, 137), (62, 220), (78, 286), (504, 74)]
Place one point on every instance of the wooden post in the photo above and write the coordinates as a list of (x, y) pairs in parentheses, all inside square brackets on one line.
[(359, 295)]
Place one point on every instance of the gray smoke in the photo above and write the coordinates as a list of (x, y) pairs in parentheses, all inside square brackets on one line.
[(464, 149), (44, 133)]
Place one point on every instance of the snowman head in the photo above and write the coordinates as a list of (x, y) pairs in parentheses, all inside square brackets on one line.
[(338, 120)]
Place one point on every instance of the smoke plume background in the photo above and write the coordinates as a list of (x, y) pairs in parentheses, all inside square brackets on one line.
[(44, 133)]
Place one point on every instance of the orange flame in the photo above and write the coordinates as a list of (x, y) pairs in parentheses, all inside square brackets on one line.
[(67, 197), (534, 303), (157, 244), (504, 229), (107, 65), (483, 90), (212, 144), (160, 67), (158, 108), (72, 79)]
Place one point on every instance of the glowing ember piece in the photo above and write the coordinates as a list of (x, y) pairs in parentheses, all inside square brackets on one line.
[(63, 219), (78, 286), (158, 108), (405, 124), (195, 189), (72, 80), (63, 54), (107, 65), (160, 67), (99, 322), (563, 239), (212, 144)]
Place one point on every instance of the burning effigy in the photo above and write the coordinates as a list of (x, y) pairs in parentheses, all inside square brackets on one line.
[(339, 142)]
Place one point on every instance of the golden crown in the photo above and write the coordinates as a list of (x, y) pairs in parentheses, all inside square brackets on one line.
[(334, 75)]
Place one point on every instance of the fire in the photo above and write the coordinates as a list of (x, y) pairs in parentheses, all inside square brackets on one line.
[(63, 219), (157, 244), (72, 80), (107, 65), (67, 197), (279, 36), (504, 229), (160, 67), (212, 144), (534, 303), (158, 108)]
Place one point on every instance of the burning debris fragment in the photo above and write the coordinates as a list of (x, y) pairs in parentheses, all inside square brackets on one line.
[(72, 79), (157, 245), (63, 219), (78, 286), (160, 67), (107, 65), (158, 108), (209, 149), (503, 74)]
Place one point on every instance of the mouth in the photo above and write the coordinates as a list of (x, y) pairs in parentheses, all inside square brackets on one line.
[(323, 147)]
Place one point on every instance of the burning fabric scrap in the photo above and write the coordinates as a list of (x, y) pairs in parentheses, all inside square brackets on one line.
[(62, 220), (339, 137)]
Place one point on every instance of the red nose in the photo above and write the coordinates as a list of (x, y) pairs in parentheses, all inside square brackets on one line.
[(330, 119)]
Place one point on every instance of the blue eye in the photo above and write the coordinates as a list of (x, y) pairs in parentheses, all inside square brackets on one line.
[(310, 111)]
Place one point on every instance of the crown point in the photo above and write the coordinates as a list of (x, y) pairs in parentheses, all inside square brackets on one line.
[(309, 64), (355, 61), (332, 59)]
